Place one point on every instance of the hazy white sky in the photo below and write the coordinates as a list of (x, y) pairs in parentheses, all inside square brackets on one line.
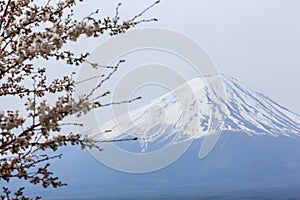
[(255, 41)]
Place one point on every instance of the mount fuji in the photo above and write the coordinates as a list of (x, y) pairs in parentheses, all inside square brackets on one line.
[(256, 157), (200, 107)]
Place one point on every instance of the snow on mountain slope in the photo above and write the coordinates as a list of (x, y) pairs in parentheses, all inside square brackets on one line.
[(182, 115), (255, 113)]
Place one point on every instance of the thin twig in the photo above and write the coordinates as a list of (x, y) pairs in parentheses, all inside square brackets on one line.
[(117, 140), (144, 11), (105, 79), (120, 102)]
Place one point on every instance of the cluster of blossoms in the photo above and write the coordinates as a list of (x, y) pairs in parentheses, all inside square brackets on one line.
[(29, 32)]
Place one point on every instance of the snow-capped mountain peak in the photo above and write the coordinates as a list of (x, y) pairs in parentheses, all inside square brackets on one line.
[(182, 115)]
